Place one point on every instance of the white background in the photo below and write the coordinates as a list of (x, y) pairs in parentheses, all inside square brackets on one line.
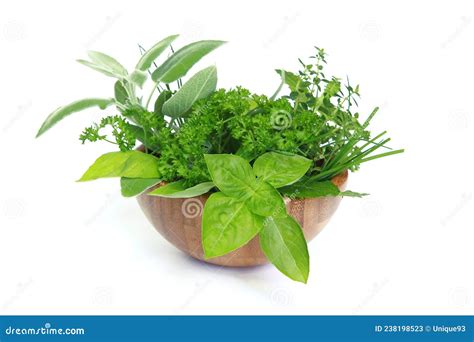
[(69, 248)]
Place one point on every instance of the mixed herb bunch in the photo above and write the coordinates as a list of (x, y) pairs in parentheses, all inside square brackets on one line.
[(247, 150)]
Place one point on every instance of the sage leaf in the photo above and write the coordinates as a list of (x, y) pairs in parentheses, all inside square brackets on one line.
[(284, 244), (105, 71), (178, 190), (120, 93), (130, 164), (227, 224), (135, 186), (265, 200), (280, 169), (106, 62), (138, 77), (73, 107), (231, 174), (160, 100), (179, 63), (152, 54), (197, 87)]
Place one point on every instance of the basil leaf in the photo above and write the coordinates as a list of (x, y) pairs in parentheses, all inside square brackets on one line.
[(231, 174), (179, 63), (177, 190), (280, 169), (150, 55), (266, 201), (130, 164), (197, 87), (134, 186), (227, 224), (73, 107), (283, 242)]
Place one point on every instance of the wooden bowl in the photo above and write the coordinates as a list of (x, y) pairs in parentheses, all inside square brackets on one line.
[(178, 220)]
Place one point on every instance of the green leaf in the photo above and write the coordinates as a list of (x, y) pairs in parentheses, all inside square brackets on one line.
[(332, 88), (160, 100), (121, 94), (139, 133), (73, 107), (265, 200), (280, 169), (199, 86), (310, 188), (149, 56), (283, 243), (231, 174), (179, 63), (178, 190), (227, 224), (105, 71), (349, 193), (135, 186), (106, 62), (289, 78), (138, 77), (130, 164)]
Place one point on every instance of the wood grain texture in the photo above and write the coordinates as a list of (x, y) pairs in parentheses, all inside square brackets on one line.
[(178, 220)]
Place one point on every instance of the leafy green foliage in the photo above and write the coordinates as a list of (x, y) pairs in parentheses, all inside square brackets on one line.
[(134, 186), (180, 62), (227, 224), (281, 169), (178, 190), (71, 108), (124, 135), (130, 164), (201, 85), (254, 149), (283, 243)]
